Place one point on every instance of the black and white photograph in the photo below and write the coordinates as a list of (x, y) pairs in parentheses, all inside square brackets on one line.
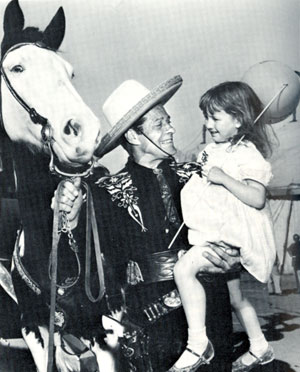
[(149, 186)]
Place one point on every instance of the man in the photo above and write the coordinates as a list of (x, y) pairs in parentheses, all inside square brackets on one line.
[(274, 285), (294, 252), (138, 219)]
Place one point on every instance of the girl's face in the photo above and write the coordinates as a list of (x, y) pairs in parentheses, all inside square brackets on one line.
[(222, 126)]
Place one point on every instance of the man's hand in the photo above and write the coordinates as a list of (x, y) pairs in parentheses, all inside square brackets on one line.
[(227, 259), (70, 200)]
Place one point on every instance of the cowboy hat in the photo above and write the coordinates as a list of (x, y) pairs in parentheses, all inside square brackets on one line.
[(128, 103)]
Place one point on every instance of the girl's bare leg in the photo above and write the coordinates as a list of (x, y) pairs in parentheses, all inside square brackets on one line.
[(246, 315), (194, 302)]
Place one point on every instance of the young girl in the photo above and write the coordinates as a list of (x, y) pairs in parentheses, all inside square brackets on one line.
[(227, 207)]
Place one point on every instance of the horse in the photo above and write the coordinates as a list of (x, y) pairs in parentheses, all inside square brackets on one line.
[(50, 128)]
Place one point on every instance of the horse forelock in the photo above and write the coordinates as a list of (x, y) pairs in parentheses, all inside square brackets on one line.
[(28, 35)]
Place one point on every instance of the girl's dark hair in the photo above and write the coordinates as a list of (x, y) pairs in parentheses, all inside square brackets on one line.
[(239, 100)]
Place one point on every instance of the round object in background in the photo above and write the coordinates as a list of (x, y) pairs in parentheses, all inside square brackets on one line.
[(268, 78)]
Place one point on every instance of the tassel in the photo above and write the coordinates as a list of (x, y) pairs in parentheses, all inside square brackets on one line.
[(134, 274)]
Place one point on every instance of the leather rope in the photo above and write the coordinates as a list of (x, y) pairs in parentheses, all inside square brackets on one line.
[(91, 227), (55, 241)]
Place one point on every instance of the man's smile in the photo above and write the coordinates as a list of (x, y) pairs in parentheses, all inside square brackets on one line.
[(167, 141)]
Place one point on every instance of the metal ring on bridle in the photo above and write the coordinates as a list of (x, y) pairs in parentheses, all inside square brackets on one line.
[(46, 133), (55, 169)]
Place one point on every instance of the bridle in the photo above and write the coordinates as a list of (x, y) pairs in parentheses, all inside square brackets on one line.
[(47, 130)]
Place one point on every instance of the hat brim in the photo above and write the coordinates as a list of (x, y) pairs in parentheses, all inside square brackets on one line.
[(159, 95)]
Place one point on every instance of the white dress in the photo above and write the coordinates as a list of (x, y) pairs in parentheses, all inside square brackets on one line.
[(213, 214)]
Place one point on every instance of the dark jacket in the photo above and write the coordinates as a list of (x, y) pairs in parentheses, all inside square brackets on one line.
[(125, 238)]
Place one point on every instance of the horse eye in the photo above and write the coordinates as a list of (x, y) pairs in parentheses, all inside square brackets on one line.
[(73, 75), (17, 68)]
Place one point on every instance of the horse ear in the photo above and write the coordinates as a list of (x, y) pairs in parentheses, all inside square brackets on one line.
[(55, 31), (13, 18)]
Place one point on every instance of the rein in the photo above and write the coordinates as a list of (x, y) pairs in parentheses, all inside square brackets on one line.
[(91, 227), (55, 241), (59, 225)]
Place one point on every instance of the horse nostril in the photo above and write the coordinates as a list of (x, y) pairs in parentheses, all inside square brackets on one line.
[(72, 128)]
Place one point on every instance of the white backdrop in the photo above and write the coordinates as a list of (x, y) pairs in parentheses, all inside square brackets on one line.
[(205, 41)]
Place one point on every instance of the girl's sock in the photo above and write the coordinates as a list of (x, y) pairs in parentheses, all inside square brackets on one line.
[(197, 342), (258, 346)]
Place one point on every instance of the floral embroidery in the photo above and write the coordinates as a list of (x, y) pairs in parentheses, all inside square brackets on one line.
[(186, 170), (122, 190), (204, 158), (59, 319)]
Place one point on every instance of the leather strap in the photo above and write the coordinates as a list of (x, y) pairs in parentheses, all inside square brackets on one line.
[(155, 267), (55, 241), (91, 225), (34, 115), (72, 345)]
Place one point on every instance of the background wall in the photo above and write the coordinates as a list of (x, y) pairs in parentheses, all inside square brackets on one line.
[(205, 41)]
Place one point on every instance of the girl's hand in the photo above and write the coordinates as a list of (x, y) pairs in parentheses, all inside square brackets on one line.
[(216, 175), (70, 200)]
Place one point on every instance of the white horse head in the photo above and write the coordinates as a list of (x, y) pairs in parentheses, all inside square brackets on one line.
[(33, 74)]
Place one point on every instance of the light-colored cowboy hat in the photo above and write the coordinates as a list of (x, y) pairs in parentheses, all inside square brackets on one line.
[(128, 103)]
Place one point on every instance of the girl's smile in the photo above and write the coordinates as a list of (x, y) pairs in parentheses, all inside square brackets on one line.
[(222, 126)]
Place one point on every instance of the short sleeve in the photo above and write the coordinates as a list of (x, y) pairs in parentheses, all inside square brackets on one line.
[(253, 166)]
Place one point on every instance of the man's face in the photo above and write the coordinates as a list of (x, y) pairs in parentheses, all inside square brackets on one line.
[(158, 128)]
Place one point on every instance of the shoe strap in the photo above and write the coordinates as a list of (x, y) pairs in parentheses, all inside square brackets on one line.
[(255, 356), (193, 352)]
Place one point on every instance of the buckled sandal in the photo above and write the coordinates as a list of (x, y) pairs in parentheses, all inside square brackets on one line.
[(204, 358), (267, 357)]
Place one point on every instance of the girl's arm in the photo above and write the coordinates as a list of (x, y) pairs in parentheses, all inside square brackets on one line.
[(249, 192)]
